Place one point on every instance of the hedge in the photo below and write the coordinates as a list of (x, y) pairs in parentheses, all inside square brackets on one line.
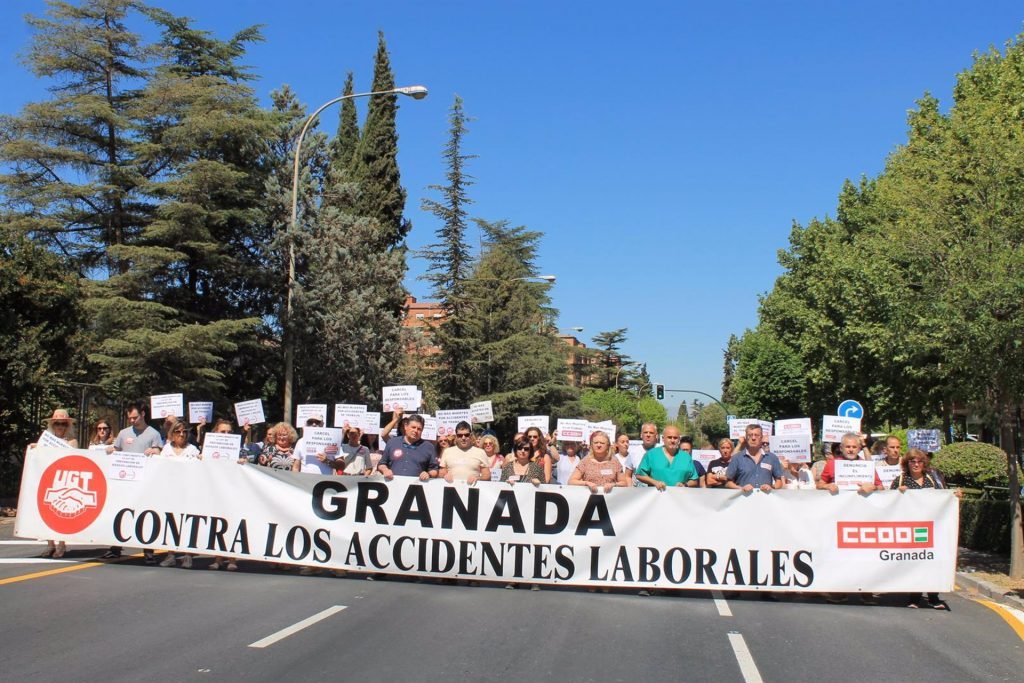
[(971, 464), (985, 525)]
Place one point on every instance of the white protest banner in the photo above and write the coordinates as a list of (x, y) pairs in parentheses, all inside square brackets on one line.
[(51, 440), (541, 422), (250, 412), (348, 412), (200, 411), (887, 473), (738, 427), (429, 428), (369, 423), (447, 419), (882, 542), (928, 440), (407, 397), (798, 425), (122, 466), (704, 456), (305, 411), (794, 446), (221, 448), (606, 426), (571, 430), (481, 411), (833, 427), (850, 474), (167, 405)]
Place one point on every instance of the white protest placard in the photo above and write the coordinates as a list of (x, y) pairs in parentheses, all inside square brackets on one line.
[(429, 428), (250, 412), (636, 450), (850, 474), (51, 440), (407, 397), (447, 419), (794, 446), (541, 422), (481, 411), (325, 440), (98, 448), (705, 455), (304, 411), (199, 411), (221, 448), (571, 430), (887, 473), (606, 426), (738, 427), (766, 427), (797, 425), (348, 412), (126, 466), (928, 440), (167, 405), (833, 427), (369, 423)]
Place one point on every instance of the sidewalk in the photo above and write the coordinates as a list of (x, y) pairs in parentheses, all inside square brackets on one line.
[(987, 575)]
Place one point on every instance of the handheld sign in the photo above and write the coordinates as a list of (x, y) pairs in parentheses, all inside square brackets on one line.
[(606, 426), (448, 419), (834, 426), (429, 428), (481, 411), (795, 447), (796, 425), (928, 440), (704, 456), (887, 473), (199, 411), (571, 430), (407, 397), (348, 412), (541, 422), (304, 411), (250, 412), (167, 405), (368, 423), (50, 440), (850, 474), (221, 448), (126, 466)]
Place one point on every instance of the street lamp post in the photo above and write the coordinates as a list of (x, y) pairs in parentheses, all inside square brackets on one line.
[(417, 92)]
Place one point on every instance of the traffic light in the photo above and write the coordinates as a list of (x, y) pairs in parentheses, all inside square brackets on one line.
[(659, 391)]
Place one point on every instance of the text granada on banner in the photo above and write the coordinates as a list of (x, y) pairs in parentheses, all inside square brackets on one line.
[(693, 538)]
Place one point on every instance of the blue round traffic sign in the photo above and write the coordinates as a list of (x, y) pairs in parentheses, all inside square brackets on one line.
[(851, 408)]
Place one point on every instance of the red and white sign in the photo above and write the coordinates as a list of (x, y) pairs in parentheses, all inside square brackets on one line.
[(70, 494)]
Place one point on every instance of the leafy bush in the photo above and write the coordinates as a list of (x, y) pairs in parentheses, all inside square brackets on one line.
[(971, 464), (985, 525)]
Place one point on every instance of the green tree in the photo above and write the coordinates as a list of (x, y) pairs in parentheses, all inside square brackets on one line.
[(769, 377), (450, 265), (609, 359), (626, 410)]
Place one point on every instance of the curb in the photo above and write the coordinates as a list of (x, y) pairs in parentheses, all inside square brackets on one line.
[(988, 590)]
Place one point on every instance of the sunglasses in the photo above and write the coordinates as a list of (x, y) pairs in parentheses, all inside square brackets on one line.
[(103, 428), (60, 424), (522, 448), (463, 436), (917, 461)]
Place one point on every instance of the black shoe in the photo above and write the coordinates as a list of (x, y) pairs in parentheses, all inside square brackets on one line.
[(111, 555)]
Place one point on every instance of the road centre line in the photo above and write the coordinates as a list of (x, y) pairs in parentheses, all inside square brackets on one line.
[(296, 627), (721, 605), (743, 657), (33, 560), (1013, 617)]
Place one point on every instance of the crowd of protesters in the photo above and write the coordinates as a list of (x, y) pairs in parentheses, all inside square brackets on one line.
[(533, 458)]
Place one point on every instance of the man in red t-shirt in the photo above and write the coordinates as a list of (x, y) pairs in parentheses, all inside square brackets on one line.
[(849, 450)]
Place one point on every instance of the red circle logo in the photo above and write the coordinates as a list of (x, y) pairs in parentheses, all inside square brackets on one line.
[(71, 495)]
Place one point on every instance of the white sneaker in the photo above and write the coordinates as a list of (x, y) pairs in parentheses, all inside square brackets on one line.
[(169, 560), (186, 562)]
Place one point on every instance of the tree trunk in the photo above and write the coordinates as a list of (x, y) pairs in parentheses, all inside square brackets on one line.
[(1016, 531)]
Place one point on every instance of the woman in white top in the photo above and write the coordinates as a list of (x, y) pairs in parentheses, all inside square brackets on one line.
[(622, 452), (177, 446), (567, 462)]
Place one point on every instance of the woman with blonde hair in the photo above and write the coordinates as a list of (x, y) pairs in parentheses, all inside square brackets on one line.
[(59, 425), (279, 453)]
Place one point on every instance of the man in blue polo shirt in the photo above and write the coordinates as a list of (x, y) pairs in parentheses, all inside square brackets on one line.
[(408, 455), (754, 467)]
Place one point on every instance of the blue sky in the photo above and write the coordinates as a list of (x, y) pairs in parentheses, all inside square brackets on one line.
[(664, 148)]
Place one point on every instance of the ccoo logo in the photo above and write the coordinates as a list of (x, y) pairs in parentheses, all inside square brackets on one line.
[(71, 494), (885, 534)]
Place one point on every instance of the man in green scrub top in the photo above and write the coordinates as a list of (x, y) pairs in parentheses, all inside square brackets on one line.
[(666, 465)]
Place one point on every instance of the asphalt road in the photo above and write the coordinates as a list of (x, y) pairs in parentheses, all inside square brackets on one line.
[(125, 621)]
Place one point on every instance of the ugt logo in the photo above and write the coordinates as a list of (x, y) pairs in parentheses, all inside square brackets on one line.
[(885, 534), (71, 494)]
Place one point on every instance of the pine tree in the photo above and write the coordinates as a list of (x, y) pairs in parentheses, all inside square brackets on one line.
[(381, 195), (610, 359), (343, 145), (450, 267)]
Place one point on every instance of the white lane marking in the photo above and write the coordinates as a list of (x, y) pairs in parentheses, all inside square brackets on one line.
[(22, 542), (33, 560), (747, 666), (296, 627), (721, 604)]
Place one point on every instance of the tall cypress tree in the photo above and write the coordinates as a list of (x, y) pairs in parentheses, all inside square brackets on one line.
[(343, 146), (381, 195), (450, 267)]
